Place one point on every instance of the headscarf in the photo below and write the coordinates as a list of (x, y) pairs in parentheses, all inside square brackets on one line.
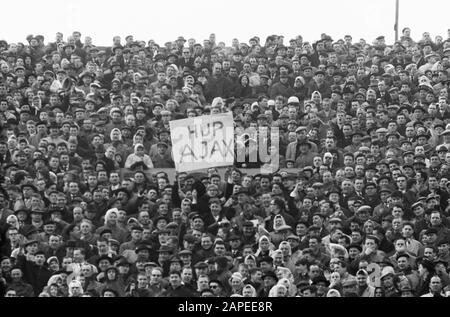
[(53, 279), (15, 218), (114, 130), (374, 224), (390, 69), (274, 254), (109, 212), (216, 101), (337, 250), (188, 89), (287, 244), (175, 67), (248, 257), (134, 139), (285, 273), (316, 93), (136, 146), (274, 290), (248, 286), (333, 292), (288, 283), (275, 225), (271, 246), (74, 283), (302, 80), (236, 275)]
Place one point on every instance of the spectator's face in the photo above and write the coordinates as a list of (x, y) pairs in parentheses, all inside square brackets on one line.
[(202, 283), (400, 245), (215, 288), (428, 253), (155, 277), (16, 275), (77, 214), (78, 257), (402, 263), (5, 265), (313, 243), (142, 281), (206, 243), (435, 284), (102, 247), (407, 231), (11, 293), (219, 249), (217, 70), (443, 249), (268, 281), (175, 280), (39, 259), (354, 252), (435, 219)]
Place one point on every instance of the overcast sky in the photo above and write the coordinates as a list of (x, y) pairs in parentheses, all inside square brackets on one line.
[(166, 20)]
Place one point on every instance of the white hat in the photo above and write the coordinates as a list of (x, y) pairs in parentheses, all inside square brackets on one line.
[(52, 258), (386, 271), (293, 99), (301, 79), (236, 275), (424, 80), (174, 67), (283, 227), (136, 98), (362, 272)]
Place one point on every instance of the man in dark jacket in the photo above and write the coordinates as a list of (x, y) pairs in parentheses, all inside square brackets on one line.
[(319, 84), (176, 289), (200, 202), (34, 270), (217, 85), (22, 289), (269, 280), (282, 87)]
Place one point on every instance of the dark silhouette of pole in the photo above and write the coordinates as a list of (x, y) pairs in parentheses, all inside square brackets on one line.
[(396, 19)]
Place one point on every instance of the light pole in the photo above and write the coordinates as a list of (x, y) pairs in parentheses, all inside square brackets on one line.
[(396, 19)]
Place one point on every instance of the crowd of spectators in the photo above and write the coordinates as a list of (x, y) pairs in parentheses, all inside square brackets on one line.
[(359, 206)]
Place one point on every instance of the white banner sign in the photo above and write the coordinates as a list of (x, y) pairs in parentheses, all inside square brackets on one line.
[(203, 142)]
